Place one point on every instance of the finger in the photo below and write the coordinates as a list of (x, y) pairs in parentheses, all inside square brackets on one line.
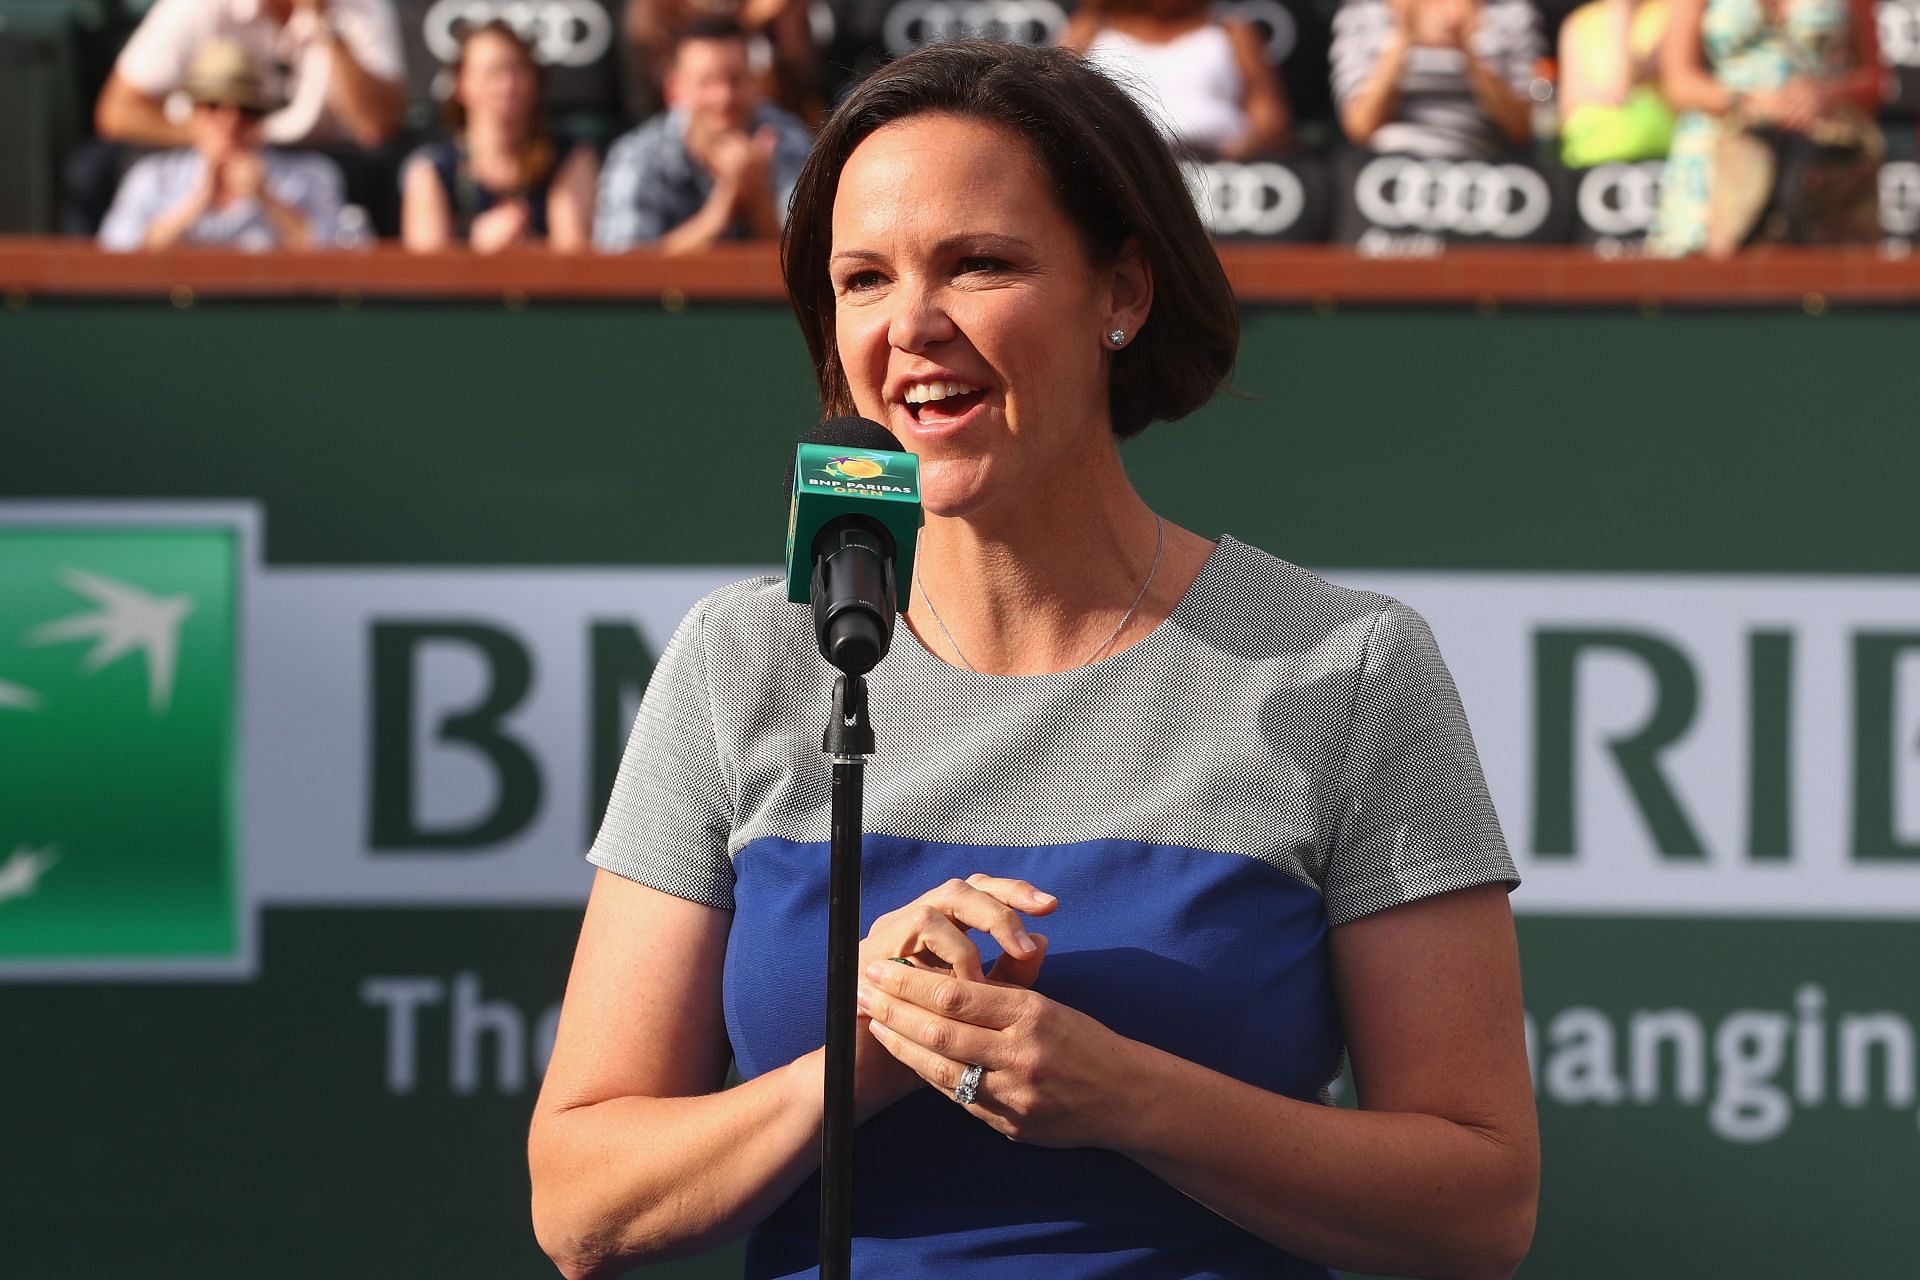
[(948, 995), (1020, 971), (940, 1072), (1018, 894), (988, 913), (925, 932), (941, 1036)]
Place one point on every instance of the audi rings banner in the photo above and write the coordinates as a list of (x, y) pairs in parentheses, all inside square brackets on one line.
[(1390, 204), (1285, 199)]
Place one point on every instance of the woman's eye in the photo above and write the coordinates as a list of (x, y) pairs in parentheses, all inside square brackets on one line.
[(860, 280), (990, 265)]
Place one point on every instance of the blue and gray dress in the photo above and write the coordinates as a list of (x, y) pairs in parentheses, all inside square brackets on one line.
[(1278, 757)]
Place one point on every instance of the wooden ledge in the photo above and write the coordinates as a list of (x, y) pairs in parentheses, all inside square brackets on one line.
[(1316, 275)]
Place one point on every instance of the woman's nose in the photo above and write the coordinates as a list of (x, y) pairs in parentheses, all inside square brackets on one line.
[(918, 320)]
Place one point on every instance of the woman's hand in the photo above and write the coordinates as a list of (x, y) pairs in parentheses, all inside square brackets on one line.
[(1051, 1074), (500, 227), (1794, 105), (931, 932)]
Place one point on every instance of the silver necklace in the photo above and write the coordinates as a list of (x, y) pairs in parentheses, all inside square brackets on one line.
[(1159, 545)]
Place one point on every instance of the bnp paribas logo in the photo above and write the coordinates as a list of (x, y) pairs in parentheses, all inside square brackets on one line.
[(118, 680)]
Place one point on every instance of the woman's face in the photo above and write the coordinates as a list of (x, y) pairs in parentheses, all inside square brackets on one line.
[(969, 320), (496, 80)]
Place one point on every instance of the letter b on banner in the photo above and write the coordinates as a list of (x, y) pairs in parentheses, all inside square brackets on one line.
[(396, 822)]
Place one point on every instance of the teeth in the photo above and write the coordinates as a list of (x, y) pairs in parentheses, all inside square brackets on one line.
[(923, 392)]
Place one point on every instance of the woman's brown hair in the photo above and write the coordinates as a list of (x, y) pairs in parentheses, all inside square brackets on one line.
[(1113, 175)]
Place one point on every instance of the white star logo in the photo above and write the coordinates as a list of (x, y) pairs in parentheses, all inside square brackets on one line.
[(128, 619), (18, 697), (21, 874)]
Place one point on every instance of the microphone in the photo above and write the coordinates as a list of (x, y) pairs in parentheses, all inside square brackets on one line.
[(852, 524)]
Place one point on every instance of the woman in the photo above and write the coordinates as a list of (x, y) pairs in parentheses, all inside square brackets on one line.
[(504, 179), (1776, 99), (1610, 103), (1244, 801), (1206, 78)]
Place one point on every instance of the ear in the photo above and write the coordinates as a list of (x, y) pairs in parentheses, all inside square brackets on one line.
[(1129, 290)]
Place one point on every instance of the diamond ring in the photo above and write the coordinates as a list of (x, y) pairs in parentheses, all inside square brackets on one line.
[(968, 1090)]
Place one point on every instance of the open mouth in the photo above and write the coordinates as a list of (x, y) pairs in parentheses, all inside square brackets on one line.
[(942, 401)]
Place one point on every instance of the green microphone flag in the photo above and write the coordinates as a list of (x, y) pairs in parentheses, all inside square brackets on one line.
[(831, 481)]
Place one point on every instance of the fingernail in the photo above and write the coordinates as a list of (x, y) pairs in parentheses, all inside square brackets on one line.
[(877, 971), (1025, 941), (863, 996), (1044, 899)]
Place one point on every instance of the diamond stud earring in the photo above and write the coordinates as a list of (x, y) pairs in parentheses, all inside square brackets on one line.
[(1118, 337)]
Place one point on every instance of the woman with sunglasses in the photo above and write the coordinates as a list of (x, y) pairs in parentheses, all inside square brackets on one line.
[(227, 189)]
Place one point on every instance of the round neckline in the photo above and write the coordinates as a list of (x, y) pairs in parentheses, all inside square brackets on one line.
[(1144, 646)]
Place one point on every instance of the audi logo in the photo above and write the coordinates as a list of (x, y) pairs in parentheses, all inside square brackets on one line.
[(563, 33), (1464, 197), (1900, 198), (1619, 199), (915, 23), (1260, 199), (1278, 31), (1899, 24)]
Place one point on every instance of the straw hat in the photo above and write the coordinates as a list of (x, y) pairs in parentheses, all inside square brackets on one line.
[(224, 74)]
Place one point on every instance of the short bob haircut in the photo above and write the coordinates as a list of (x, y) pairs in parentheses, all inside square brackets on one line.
[(1115, 179)]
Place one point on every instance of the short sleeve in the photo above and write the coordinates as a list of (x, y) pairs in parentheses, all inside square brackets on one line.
[(371, 29), (155, 57), (1416, 818), (671, 810)]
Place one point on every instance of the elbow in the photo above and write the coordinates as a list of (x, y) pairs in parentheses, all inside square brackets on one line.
[(1358, 127)]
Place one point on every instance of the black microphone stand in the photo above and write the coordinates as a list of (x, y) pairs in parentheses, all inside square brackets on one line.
[(849, 740)]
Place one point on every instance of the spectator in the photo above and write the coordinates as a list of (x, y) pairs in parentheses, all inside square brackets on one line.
[(346, 77), (226, 189), (505, 178), (1206, 80), (720, 164), (1775, 107), (1439, 78), (780, 47), (1611, 111)]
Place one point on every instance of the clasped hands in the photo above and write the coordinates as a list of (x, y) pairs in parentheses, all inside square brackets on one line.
[(1050, 1076)]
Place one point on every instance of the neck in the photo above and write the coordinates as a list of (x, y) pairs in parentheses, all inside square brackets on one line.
[(1039, 587), (493, 138)]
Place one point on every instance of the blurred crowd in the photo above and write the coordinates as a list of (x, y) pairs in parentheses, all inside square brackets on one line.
[(307, 124)]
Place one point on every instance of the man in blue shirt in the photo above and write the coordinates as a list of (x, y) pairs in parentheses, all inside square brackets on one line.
[(719, 164)]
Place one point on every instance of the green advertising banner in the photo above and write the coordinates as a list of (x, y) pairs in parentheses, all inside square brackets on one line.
[(321, 632)]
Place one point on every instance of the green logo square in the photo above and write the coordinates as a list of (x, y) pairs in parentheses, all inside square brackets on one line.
[(118, 700)]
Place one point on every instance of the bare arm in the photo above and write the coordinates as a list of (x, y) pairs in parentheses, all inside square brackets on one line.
[(426, 220), (369, 106), (704, 228), (1684, 78), (635, 1152), (570, 201), (1439, 1174), (124, 114), (1863, 86), (1269, 123), (166, 230), (1375, 102), (290, 225), (1508, 108)]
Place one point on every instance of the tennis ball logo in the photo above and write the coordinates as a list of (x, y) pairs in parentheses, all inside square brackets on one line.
[(856, 468)]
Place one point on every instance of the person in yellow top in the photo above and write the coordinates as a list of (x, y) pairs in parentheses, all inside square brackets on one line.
[(1610, 103)]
